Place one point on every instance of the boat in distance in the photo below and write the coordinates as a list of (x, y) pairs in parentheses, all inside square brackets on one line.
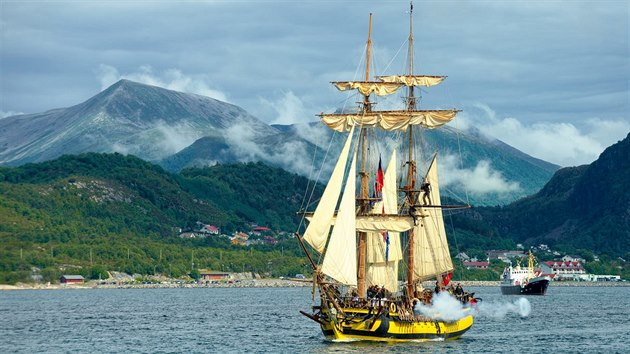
[(524, 280)]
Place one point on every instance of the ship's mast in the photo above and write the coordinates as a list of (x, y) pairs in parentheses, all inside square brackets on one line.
[(363, 196), (411, 194)]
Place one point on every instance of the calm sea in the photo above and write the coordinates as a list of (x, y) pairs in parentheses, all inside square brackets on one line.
[(266, 320)]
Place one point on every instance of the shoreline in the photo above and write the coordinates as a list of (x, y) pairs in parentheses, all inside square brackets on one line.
[(267, 283)]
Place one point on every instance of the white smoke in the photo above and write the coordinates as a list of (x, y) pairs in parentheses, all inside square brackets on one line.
[(499, 310), (444, 307)]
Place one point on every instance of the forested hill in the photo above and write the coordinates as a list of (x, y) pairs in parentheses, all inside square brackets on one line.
[(142, 197), (585, 207), (114, 212)]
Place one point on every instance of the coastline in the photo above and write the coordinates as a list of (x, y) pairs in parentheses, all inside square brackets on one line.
[(264, 283)]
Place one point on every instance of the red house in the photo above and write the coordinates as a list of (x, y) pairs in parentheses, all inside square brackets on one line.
[(71, 279), (476, 265)]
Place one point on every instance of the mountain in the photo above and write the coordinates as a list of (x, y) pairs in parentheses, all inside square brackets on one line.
[(280, 149), (131, 118), (179, 130), (584, 207)]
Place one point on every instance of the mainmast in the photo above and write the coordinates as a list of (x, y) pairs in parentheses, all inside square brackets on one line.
[(363, 196), (411, 194)]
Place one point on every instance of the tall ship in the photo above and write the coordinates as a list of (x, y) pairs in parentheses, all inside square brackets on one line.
[(376, 235), (524, 280)]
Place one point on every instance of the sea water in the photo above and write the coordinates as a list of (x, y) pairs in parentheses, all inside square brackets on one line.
[(266, 320)]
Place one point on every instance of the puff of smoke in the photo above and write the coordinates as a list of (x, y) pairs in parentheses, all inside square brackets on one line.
[(444, 307), (499, 310)]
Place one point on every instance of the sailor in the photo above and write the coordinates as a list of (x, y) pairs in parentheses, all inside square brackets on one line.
[(426, 188), (459, 291)]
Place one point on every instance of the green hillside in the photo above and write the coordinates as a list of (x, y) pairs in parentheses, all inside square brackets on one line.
[(113, 212), (91, 213), (581, 208)]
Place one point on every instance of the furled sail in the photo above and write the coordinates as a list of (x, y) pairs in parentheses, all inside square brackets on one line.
[(389, 120), (379, 223), (369, 87), (413, 80), (382, 258), (317, 231), (431, 253), (340, 260)]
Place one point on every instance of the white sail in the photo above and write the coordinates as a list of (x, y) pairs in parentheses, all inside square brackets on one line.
[(383, 259), (431, 254), (340, 260), (317, 231), (368, 87), (379, 223), (383, 274), (390, 201), (389, 120), (413, 80)]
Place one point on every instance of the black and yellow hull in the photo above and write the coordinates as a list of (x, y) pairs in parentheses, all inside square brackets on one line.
[(388, 327)]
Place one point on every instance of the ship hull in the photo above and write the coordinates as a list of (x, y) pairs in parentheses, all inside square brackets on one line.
[(387, 327), (536, 286)]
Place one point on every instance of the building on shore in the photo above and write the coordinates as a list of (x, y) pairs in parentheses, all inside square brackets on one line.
[(71, 279)]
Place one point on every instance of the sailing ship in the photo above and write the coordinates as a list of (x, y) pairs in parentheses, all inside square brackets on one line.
[(524, 281), (391, 225)]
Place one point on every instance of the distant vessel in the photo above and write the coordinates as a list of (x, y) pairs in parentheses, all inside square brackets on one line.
[(373, 231), (524, 281)]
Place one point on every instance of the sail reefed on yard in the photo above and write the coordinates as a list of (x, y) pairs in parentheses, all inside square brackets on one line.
[(413, 80), (367, 88), (389, 120)]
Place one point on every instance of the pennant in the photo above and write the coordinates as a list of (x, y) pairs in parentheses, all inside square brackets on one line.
[(380, 179)]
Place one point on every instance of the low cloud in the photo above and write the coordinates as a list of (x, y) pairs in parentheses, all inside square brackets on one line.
[(176, 137), (291, 155), (158, 141), (172, 79), (564, 144), (480, 180), (288, 109), (4, 114)]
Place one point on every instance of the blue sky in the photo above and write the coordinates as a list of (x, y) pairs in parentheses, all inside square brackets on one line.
[(548, 77)]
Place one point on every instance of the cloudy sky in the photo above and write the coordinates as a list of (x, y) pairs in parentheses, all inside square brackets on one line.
[(547, 77)]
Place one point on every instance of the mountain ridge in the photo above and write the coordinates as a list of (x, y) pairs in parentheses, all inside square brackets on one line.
[(180, 130), (584, 207)]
